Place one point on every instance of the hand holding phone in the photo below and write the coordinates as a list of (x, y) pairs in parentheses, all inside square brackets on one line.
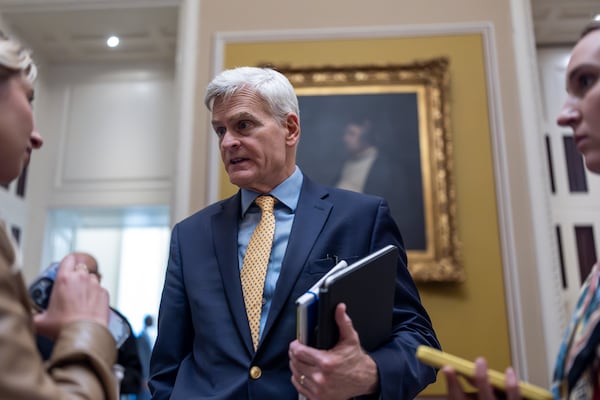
[(439, 359), (41, 290)]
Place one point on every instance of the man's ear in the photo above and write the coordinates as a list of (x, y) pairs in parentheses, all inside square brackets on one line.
[(292, 124)]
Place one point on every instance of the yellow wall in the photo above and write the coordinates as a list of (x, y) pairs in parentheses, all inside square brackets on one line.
[(470, 318)]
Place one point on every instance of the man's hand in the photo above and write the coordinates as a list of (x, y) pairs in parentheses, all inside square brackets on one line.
[(485, 391), (342, 372)]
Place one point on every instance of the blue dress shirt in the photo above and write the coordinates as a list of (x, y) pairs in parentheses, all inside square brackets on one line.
[(287, 194)]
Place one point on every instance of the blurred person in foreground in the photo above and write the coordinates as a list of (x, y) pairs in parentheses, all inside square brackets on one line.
[(577, 368), (77, 314), (215, 342)]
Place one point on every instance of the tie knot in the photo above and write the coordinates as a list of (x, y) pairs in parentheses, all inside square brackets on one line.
[(266, 203)]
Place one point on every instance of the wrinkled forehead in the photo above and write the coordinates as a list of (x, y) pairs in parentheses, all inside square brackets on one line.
[(244, 99)]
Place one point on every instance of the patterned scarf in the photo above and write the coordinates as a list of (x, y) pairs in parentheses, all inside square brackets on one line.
[(576, 373)]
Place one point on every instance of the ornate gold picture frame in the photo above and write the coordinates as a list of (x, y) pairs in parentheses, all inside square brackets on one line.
[(406, 108)]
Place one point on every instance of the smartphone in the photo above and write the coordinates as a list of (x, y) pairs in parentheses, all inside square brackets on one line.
[(41, 290), (439, 359)]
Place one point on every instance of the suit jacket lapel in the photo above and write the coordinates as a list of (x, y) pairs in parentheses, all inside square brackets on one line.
[(311, 214), (225, 232)]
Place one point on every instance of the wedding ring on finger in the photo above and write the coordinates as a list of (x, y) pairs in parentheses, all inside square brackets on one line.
[(302, 378)]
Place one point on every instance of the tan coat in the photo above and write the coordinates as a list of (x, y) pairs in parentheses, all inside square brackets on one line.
[(81, 363)]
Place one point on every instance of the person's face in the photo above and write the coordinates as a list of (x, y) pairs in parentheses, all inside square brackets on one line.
[(581, 110), (18, 136), (258, 152), (353, 138)]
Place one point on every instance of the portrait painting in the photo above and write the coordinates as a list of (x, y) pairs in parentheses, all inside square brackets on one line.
[(385, 131), (338, 132)]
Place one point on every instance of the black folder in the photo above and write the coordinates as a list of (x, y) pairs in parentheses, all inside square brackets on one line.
[(367, 288)]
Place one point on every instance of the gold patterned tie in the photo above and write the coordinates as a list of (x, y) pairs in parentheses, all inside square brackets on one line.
[(255, 263)]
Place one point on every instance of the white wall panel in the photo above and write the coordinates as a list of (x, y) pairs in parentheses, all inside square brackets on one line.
[(115, 133), (118, 131)]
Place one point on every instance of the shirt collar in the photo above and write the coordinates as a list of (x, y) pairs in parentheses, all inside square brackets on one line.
[(287, 192)]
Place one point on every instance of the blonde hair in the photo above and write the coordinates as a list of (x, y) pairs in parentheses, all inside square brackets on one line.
[(14, 58)]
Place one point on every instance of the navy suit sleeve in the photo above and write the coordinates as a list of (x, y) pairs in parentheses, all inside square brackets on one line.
[(174, 346), (401, 375)]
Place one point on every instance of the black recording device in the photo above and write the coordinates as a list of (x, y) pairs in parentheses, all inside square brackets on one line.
[(41, 290)]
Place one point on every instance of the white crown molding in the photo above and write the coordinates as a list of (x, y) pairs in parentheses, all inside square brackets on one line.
[(24, 6), (562, 3), (359, 32)]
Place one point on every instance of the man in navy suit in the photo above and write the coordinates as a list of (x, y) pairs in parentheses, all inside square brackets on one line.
[(204, 348)]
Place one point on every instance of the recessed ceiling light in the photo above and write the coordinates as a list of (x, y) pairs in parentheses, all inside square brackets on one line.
[(112, 41), (597, 17)]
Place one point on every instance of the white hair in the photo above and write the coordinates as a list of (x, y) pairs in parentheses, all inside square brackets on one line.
[(272, 86)]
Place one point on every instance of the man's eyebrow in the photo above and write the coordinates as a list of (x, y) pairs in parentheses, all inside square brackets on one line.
[(235, 117)]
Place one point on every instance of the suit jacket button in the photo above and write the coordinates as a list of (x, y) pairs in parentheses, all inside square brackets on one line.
[(255, 372)]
